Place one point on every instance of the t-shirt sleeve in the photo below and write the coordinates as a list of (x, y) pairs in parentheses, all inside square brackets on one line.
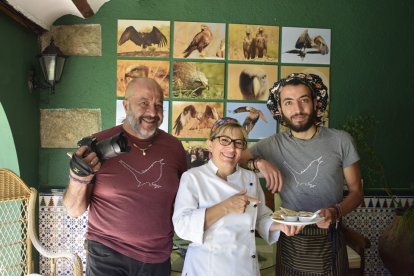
[(349, 150), (258, 149)]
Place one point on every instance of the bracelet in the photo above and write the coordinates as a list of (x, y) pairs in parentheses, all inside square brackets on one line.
[(338, 210), (74, 179), (255, 165), (251, 165)]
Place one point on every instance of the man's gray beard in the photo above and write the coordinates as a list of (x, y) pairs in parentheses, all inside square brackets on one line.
[(136, 127)]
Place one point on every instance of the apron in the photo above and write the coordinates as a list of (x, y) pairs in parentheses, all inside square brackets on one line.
[(314, 252)]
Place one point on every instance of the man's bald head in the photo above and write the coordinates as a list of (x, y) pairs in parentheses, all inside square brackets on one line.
[(137, 84)]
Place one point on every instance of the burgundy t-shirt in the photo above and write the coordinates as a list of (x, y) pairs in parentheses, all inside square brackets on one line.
[(133, 196)]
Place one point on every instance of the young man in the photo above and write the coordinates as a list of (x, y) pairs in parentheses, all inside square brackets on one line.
[(308, 164), (130, 196)]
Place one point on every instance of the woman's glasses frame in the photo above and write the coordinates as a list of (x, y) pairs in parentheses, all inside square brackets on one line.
[(226, 140)]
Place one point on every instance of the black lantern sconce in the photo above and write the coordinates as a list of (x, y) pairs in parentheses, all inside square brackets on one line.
[(52, 62)]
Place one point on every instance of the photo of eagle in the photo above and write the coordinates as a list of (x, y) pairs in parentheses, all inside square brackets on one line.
[(199, 42), (184, 118), (253, 115), (143, 39), (194, 119), (254, 118), (188, 80)]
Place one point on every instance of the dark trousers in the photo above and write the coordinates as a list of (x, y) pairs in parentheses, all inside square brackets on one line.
[(102, 260)]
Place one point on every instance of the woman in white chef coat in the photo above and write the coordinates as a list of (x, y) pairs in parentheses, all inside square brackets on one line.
[(220, 205)]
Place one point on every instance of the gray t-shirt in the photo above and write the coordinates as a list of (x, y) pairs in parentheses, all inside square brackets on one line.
[(312, 169)]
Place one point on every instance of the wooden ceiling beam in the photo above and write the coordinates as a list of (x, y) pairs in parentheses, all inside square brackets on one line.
[(84, 8)]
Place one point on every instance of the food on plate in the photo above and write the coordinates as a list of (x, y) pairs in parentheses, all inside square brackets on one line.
[(288, 212), (305, 214), (291, 215)]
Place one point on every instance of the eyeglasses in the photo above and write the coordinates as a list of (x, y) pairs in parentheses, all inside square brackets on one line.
[(225, 141)]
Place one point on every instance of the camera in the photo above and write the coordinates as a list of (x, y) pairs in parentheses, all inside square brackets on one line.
[(104, 149), (108, 148)]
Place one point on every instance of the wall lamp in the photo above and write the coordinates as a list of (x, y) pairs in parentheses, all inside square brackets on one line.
[(52, 62)]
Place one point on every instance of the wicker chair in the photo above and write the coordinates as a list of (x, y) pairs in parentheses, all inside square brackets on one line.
[(18, 229)]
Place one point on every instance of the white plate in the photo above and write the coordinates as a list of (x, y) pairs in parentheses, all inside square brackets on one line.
[(299, 223)]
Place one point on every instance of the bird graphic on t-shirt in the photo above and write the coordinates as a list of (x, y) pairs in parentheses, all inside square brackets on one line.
[(155, 170), (306, 176)]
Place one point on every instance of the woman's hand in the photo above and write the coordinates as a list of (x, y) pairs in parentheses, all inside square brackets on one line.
[(237, 203), (289, 230)]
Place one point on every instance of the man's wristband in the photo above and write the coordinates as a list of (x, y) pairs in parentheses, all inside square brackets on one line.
[(74, 179), (251, 165), (255, 165)]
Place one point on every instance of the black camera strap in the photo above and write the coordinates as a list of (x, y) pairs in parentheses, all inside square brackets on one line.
[(79, 167)]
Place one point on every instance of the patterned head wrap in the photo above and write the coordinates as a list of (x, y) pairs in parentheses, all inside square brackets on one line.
[(314, 82), (220, 123)]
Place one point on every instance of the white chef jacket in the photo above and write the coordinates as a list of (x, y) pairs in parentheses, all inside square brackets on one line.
[(228, 246)]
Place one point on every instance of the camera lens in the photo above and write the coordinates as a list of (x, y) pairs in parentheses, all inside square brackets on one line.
[(112, 146)]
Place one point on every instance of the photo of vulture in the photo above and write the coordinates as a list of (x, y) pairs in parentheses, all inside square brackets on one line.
[(250, 81), (249, 49), (252, 117), (194, 119), (305, 42), (260, 43), (143, 38), (253, 42), (199, 40), (198, 80), (253, 83), (306, 45)]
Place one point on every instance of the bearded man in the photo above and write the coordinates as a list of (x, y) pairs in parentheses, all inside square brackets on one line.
[(130, 196), (308, 165)]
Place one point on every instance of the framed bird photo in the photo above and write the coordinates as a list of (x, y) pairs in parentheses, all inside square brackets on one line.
[(250, 81), (198, 80), (255, 118), (197, 153), (194, 119), (322, 72), (199, 40), (253, 42), (306, 45), (127, 70), (143, 38), (120, 114)]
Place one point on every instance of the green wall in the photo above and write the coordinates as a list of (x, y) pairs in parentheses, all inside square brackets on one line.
[(18, 48), (370, 65)]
